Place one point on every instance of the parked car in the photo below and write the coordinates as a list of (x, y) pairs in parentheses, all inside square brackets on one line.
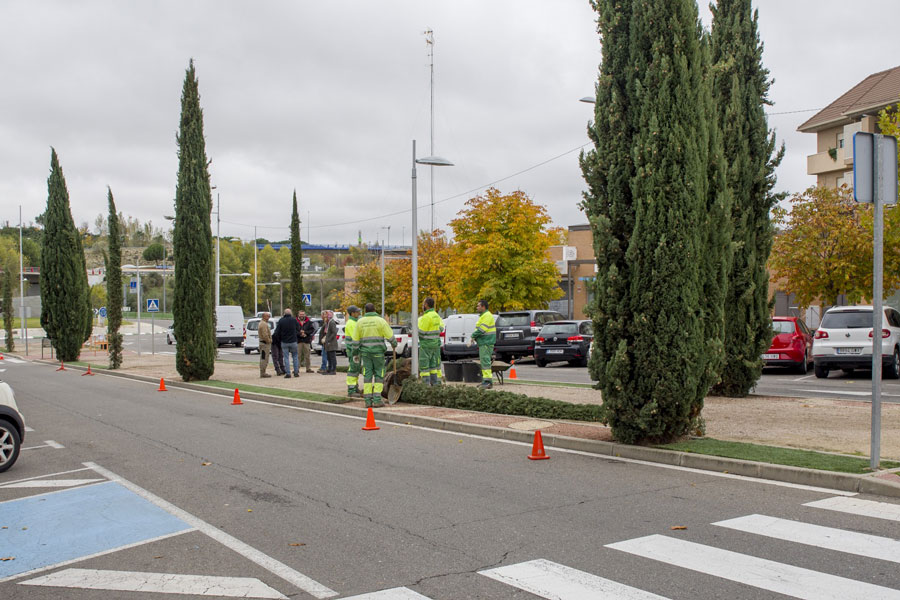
[(564, 341), (170, 334), (517, 330), (791, 345), (315, 346), (404, 341), (844, 341), (251, 335), (12, 428), (229, 325), (341, 340), (458, 330)]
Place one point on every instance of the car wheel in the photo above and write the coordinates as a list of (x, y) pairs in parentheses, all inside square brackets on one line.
[(10, 444), (246, 350), (893, 370), (539, 362), (168, 340), (803, 367), (821, 372), (407, 352)]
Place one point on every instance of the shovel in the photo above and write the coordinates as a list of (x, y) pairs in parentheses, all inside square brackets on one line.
[(394, 389)]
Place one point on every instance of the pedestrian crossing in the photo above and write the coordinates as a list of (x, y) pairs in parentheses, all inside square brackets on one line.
[(546, 579)]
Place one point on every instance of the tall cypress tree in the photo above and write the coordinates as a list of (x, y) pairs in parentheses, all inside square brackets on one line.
[(65, 297), (9, 277), (193, 307), (649, 191), (296, 261), (741, 88), (114, 299)]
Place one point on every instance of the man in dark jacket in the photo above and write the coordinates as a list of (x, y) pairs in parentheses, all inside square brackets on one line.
[(305, 338), (287, 330), (277, 354)]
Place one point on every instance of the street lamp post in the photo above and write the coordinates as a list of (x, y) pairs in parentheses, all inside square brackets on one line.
[(382, 270), (22, 284), (437, 162)]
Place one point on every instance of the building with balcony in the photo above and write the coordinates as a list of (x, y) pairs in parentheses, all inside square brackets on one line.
[(834, 126)]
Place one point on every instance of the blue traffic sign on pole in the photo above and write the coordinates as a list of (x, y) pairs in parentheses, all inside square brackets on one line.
[(103, 311), (152, 305), (307, 299), (133, 284)]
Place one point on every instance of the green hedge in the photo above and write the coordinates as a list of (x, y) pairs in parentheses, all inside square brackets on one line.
[(503, 403)]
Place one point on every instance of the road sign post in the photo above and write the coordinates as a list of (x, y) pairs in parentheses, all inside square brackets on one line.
[(875, 181), (152, 308), (307, 299)]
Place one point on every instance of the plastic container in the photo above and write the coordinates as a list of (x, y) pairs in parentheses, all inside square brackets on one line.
[(471, 372), (453, 371)]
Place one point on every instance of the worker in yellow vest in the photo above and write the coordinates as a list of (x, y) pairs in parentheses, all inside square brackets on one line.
[(351, 346), (485, 336), (372, 332), (430, 327)]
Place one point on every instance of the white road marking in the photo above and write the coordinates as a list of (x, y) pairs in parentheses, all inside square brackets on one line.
[(851, 542), (557, 582), (14, 360), (400, 593), (27, 428), (46, 444), (163, 583), (803, 378), (848, 393), (250, 553), (756, 572), (50, 483), (857, 506), (50, 475), (90, 556)]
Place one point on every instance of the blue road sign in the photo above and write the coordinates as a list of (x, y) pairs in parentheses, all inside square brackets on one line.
[(152, 304), (133, 284), (307, 299), (103, 311)]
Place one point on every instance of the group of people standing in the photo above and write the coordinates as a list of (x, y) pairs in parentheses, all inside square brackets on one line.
[(365, 337)]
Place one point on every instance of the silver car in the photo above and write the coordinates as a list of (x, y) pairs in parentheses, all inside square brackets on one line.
[(12, 428), (844, 341)]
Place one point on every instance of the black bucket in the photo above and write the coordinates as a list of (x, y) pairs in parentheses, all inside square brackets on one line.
[(453, 371), (471, 372)]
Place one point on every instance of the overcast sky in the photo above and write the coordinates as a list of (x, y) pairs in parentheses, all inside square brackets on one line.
[(325, 97)]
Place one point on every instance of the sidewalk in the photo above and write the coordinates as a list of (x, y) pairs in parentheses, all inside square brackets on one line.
[(837, 426)]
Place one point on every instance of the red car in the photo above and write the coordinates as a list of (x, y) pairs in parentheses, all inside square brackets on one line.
[(791, 346)]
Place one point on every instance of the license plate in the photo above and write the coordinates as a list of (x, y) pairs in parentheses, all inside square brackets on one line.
[(771, 356), (559, 351), (510, 335), (848, 350)]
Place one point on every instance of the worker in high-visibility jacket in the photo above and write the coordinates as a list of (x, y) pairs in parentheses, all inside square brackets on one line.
[(351, 346), (485, 336), (430, 327), (372, 332)]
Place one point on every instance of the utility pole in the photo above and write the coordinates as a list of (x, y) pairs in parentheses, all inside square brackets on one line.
[(255, 269), (22, 285), (429, 41)]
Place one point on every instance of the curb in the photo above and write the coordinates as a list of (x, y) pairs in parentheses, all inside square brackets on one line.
[(863, 484)]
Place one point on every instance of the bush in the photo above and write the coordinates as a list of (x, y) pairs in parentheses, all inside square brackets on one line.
[(503, 403)]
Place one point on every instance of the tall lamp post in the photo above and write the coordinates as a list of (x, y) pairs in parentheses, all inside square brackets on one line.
[(436, 161)]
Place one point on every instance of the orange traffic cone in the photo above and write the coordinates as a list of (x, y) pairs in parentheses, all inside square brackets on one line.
[(88, 372), (62, 366), (370, 421), (512, 370), (237, 398), (537, 449), (1, 357), (162, 385)]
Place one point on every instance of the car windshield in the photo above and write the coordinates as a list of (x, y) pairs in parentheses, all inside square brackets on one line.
[(399, 330), (855, 319), (252, 325), (559, 329), (514, 320), (783, 326)]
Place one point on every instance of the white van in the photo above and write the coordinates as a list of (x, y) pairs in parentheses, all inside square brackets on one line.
[(458, 331), (229, 325), (251, 334)]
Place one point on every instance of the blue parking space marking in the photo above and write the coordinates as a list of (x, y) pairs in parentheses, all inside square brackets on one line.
[(59, 527)]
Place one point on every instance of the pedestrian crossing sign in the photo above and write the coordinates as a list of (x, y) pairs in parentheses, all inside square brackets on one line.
[(307, 299), (152, 304)]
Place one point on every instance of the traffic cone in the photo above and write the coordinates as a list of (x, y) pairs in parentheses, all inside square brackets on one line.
[(512, 370), (88, 372), (237, 398), (62, 366), (537, 449), (162, 385), (1, 356), (370, 421)]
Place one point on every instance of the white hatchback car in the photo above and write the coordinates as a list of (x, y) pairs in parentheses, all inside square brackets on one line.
[(251, 333), (12, 428), (844, 341)]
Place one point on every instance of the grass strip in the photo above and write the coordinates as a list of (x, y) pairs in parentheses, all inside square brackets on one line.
[(258, 389), (807, 459)]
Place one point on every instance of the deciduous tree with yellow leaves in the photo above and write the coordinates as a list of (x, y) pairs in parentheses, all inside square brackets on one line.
[(500, 253)]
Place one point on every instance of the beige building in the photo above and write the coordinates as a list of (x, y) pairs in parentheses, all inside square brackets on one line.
[(834, 126), (577, 270)]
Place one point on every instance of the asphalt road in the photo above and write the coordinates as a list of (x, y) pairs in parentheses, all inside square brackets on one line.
[(181, 486)]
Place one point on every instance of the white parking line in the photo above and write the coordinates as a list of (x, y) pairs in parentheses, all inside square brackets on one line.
[(803, 378), (49, 475), (267, 562), (46, 444), (49, 483)]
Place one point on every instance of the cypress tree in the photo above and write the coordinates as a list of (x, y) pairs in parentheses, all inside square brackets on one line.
[(193, 307), (649, 192), (296, 261), (9, 276), (114, 287), (741, 86), (65, 298)]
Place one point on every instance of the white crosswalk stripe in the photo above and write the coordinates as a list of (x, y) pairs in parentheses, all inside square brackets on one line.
[(858, 506), (400, 593), (870, 546), (750, 570), (558, 582)]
